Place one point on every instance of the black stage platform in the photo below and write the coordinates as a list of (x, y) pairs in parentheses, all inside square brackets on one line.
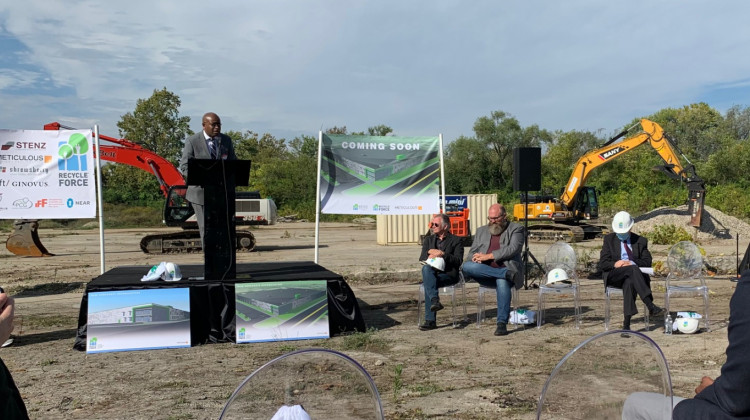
[(212, 304)]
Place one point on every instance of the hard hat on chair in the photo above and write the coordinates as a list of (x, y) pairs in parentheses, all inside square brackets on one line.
[(622, 222), (555, 275)]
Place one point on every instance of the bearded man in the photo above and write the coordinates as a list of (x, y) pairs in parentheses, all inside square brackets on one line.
[(494, 260)]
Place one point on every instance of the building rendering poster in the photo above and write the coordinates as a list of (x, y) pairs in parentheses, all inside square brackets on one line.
[(47, 174), (277, 311), (141, 319), (379, 174)]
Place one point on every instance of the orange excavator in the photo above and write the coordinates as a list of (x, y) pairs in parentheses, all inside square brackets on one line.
[(250, 208), (578, 203)]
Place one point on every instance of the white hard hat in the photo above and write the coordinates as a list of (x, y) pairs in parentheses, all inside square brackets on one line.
[(172, 272), (622, 222), (555, 275), (436, 263), (688, 325)]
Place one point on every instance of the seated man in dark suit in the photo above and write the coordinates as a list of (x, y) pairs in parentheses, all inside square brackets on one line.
[(622, 255), (441, 244)]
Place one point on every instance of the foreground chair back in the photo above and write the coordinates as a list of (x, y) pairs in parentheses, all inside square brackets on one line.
[(595, 378), (326, 383), (685, 276), (563, 256)]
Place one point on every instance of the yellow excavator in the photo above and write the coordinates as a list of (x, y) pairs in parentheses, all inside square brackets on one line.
[(578, 203)]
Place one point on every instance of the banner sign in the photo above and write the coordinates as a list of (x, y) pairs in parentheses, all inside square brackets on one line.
[(379, 175), (141, 319), (47, 174), (286, 310)]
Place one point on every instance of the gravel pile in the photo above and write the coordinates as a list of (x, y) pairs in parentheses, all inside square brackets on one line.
[(715, 224)]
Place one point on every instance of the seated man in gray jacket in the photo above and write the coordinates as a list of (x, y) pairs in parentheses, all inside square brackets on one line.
[(494, 260)]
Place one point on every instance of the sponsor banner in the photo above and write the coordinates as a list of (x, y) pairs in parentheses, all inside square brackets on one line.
[(379, 175), (141, 319), (276, 311), (47, 174)]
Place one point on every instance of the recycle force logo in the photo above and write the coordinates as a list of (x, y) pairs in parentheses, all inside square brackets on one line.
[(71, 155)]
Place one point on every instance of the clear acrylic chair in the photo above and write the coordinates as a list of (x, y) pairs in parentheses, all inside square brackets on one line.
[(560, 255), (325, 383), (447, 290), (482, 291), (605, 375), (616, 291), (685, 277)]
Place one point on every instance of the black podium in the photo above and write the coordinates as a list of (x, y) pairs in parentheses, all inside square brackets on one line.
[(219, 178)]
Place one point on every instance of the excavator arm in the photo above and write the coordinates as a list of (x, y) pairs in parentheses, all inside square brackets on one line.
[(132, 154), (651, 133), (579, 202)]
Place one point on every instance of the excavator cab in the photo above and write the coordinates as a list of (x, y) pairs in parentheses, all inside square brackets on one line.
[(177, 209), (586, 204)]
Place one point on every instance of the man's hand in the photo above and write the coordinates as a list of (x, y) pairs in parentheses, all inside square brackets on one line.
[(435, 253), (478, 258), (6, 316), (623, 263), (705, 381)]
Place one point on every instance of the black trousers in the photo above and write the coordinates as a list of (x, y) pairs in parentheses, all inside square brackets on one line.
[(633, 283)]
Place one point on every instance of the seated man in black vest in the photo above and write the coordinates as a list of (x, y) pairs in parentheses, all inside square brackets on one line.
[(441, 244), (622, 255)]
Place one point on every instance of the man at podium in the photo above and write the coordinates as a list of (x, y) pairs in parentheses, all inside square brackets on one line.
[(210, 143)]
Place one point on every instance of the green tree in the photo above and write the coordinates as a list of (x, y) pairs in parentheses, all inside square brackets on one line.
[(379, 130), (156, 124), (468, 167), (501, 133)]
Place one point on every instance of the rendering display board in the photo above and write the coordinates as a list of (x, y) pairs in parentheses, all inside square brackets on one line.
[(138, 320), (379, 174), (47, 174), (213, 302), (276, 311)]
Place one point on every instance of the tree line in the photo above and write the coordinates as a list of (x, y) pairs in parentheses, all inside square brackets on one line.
[(717, 144)]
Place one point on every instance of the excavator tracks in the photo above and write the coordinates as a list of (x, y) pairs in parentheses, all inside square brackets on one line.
[(189, 241), (567, 233)]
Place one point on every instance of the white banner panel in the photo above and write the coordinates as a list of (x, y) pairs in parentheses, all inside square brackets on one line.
[(47, 174), (379, 175)]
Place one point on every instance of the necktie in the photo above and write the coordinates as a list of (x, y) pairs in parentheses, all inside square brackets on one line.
[(628, 250), (212, 148)]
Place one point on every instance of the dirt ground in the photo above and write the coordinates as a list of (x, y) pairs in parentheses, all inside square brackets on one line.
[(463, 372)]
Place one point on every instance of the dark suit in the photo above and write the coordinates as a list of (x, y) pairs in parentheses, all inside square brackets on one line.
[(196, 148), (629, 278), (432, 280), (728, 397)]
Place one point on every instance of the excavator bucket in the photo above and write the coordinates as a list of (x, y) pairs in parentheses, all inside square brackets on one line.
[(24, 240)]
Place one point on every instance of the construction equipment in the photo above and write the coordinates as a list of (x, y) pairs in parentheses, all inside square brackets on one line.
[(250, 208), (578, 203)]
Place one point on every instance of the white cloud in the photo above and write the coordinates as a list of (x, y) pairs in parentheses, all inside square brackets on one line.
[(293, 67)]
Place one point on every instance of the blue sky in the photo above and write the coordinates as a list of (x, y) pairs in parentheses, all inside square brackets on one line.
[(291, 67)]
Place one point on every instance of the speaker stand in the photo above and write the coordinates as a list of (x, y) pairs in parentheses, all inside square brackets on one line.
[(526, 251)]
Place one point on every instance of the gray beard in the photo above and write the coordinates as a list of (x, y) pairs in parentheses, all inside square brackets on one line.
[(496, 229)]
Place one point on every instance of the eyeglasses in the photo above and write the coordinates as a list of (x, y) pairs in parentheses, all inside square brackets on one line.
[(502, 216), (434, 224)]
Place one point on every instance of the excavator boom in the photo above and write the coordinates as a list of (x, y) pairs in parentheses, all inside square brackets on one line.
[(579, 202)]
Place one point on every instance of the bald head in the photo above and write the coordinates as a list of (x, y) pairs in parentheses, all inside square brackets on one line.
[(211, 124)]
